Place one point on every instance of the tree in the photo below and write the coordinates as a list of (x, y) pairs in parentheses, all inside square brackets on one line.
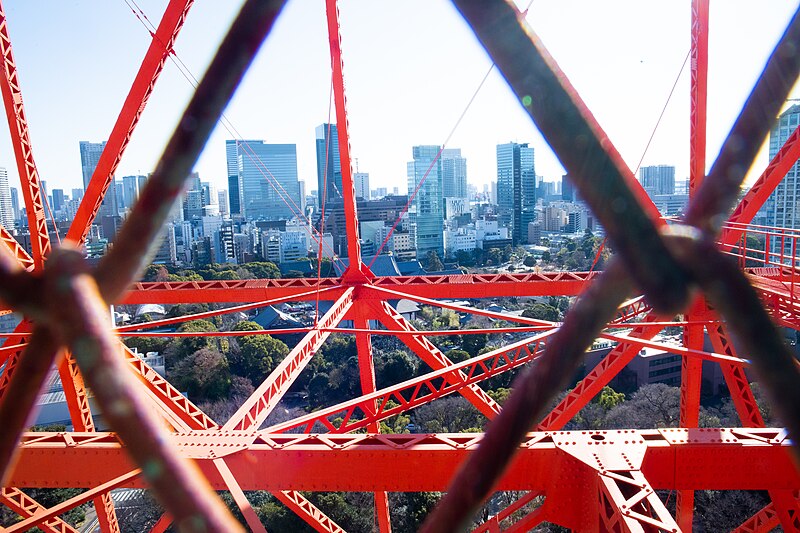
[(609, 398), (434, 264), (256, 356), (182, 347), (473, 343), (264, 269), (205, 375), (393, 367), (155, 273), (529, 261), (457, 356), (540, 311), (653, 405)]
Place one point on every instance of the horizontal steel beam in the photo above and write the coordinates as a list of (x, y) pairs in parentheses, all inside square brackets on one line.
[(718, 459)]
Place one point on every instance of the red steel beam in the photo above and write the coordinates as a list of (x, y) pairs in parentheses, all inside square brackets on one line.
[(698, 91), (704, 458), (20, 140), (308, 511), (25, 506), (763, 521), (254, 411), (493, 524), (238, 291), (93, 492), (348, 188), (16, 249), (80, 412), (239, 497), (599, 377), (159, 50), (360, 413), (736, 379), (434, 358)]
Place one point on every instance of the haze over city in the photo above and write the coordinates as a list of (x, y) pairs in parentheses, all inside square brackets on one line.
[(410, 68)]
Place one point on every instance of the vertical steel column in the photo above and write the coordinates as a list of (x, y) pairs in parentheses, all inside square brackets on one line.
[(692, 368), (348, 188), (366, 370), (20, 139)]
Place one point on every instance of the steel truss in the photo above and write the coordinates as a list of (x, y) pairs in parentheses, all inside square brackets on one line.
[(589, 480)]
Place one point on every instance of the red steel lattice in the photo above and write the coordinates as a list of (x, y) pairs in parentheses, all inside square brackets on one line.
[(589, 480)]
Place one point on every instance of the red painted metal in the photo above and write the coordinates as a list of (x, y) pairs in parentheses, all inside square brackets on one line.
[(590, 479), (434, 358), (16, 249), (254, 411), (669, 458), (152, 65), (20, 140), (25, 506), (348, 188), (308, 511), (360, 413)]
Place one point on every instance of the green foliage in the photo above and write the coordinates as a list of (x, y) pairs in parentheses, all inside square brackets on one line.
[(205, 375), (181, 347), (540, 311), (529, 261), (264, 269), (474, 343), (395, 424), (256, 355), (609, 398), (457, 356), (155, 273), (393, 367), (499, 395), (186, 309)]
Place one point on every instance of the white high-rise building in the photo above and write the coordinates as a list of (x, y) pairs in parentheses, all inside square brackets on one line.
[(6, 208), (454, 174), (781, 208), (361, 184)]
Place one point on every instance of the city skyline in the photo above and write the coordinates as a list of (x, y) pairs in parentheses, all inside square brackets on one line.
[(636, 81)]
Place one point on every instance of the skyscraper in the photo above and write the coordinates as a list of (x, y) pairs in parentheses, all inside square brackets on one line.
[(6, 209), (329, 170), (516, 189), (267, 180), (454, 174), (781, 207), (659, 179), (427, 208), (361, 184), (90, 156), (131, 189)]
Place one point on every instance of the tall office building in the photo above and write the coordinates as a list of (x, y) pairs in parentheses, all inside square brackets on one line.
[(6, 209), (361, 184), (659, 179), (268, 185), (427, 210), (90, 156), (131, 189), (232, 150), (15, 202), (454, 174), (781, 208), (58, 200), (329, 170), (516, 189)]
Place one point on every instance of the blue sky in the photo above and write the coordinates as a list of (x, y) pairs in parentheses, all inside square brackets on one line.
[(410, 68)]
